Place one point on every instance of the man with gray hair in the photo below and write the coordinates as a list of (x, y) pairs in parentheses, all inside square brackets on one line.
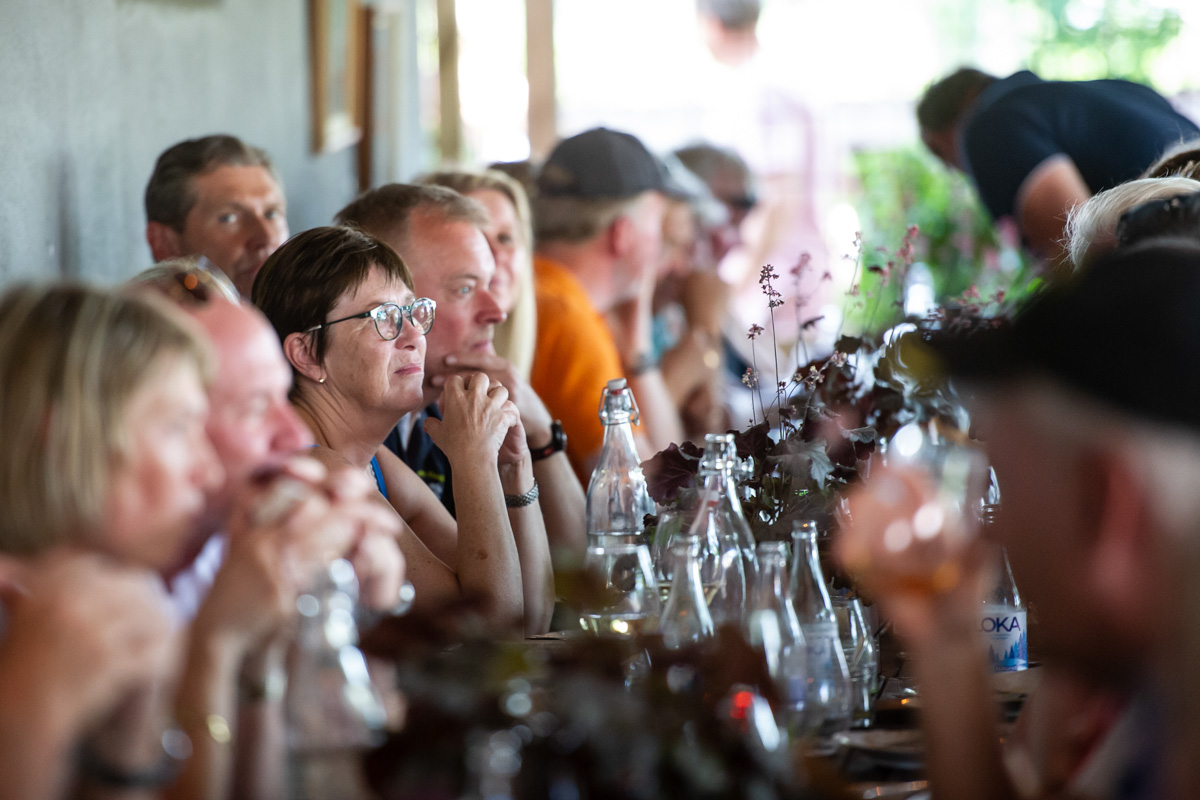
[(1086, 406), (439, 234), (598, 217)]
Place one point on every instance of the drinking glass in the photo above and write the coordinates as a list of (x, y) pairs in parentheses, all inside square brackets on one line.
[(628, 603), (909, 526)]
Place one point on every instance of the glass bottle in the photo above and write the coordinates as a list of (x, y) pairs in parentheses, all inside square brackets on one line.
[(771, 623), (617, 499), (862, 657), (1002, 620), (628, 601), (721, 446), (333, 711), (827, 704), (771, 626), (685, 619), (718, 520)]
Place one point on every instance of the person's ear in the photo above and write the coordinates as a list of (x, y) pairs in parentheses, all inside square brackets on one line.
[(621, 236), (165, 242), (1121, 545), (300, 349)]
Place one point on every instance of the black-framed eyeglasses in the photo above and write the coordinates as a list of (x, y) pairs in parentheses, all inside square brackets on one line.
[(1171, 216), (389, 318)]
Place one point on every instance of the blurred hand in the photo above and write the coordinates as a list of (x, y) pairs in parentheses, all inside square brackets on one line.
[(705, 298), (534, 416), (704, 412), (282, 531), (901, 549), (477, 417), (374, 551), (84, 634), (515, 448), (691, 364)]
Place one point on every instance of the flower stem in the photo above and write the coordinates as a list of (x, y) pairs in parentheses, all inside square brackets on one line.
[(850, 291)]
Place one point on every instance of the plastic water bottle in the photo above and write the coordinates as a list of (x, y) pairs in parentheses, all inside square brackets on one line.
[(617, 500), (1002, 620)]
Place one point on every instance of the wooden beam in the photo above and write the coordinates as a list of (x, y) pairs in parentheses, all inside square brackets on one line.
[(539, 68), (450, 137), (366, 88)]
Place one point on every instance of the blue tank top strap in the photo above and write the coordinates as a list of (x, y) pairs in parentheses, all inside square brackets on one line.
[(379, 476)]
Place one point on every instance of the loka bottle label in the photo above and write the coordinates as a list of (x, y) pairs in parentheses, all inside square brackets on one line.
[(821, 638), (1003, 628)]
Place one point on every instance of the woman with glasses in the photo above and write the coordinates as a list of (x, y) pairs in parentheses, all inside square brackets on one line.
[(343, 306)]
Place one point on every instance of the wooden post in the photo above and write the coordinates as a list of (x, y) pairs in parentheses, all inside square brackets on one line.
[(450, 137), (366, 88), (539, 59)]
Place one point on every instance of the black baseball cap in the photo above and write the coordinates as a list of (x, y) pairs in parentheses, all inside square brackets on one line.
[(1125, 332), (601, 164)]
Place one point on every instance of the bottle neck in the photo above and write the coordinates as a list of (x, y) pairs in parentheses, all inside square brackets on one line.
[(808, 582), (686, 579), (770, 585), (719, 485), (619, 447)]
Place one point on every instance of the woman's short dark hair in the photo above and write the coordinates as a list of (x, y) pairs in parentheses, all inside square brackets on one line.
[(304, 279), (945, 101)]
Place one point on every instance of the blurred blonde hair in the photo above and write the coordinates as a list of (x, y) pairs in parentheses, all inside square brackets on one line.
[(1091, 228), (71, 359), (516, 337)]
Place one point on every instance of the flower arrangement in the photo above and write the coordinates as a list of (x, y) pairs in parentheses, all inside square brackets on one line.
[(834, 410)]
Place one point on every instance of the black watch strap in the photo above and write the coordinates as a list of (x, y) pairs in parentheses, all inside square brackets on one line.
[(558, 443)]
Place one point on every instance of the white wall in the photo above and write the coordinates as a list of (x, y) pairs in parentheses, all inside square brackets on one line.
[(91, 91)]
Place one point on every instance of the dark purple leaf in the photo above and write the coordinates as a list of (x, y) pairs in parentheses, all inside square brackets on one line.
[(754, 442), (848, 344), (671, 470), (866, 434), (805, 458)]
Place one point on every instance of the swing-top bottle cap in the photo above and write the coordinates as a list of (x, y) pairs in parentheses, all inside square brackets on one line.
[(617, 404)]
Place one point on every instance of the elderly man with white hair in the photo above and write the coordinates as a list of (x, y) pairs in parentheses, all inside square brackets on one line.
[(1087, 409)]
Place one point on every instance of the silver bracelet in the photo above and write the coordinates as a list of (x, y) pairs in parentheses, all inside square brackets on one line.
[(522, 500)]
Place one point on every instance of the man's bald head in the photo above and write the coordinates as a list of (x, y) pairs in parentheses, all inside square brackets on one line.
[(251, 424)]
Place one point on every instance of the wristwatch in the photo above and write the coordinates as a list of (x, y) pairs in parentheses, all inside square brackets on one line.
[(558, 443), (641, 365)]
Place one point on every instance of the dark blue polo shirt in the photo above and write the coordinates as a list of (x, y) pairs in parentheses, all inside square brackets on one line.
[(1111, 129)]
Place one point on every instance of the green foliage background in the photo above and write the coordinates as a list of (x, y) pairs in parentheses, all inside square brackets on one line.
[(1087, 39)]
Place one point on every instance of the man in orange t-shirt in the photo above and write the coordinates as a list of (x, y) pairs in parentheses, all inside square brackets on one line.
[(598, 216)]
